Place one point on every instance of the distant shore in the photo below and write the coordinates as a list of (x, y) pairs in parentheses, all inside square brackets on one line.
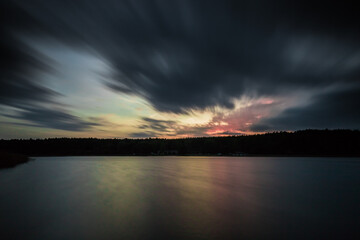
[(302, 143), (205, 155)]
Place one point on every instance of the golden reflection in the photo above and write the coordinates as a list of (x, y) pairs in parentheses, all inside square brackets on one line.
[(196, 211), (120, 194)]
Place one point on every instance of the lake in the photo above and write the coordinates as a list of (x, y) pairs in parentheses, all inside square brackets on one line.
[(181, 198)]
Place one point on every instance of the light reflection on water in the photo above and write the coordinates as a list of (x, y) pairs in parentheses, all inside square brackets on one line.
[(181, 198)]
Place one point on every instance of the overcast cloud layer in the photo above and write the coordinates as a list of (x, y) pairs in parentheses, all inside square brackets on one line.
[(192, 55)]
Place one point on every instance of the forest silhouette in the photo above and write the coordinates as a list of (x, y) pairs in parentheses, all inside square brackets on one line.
[(298, 143)]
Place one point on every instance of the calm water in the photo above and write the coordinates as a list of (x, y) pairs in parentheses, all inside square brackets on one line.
[(181, 198)]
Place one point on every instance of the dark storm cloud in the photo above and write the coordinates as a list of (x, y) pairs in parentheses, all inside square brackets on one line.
[(339, 109), (51, 118), (193, 54), (20, 65), (18, 62), (151, 127), (183, 55), (226, 50), (157, 125)]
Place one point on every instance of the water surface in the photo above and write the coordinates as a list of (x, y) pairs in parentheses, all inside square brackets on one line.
[(181, 198)]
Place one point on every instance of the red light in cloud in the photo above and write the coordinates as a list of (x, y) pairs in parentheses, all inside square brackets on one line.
[(223, 123), (266, 101), (240, 120)]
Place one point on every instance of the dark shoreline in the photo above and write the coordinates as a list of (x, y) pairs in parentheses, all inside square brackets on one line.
[(10, 160), (206, 155), (303, 143)]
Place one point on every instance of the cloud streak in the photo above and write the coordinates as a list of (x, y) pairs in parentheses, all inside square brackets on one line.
[(51, 118), (337, 109), (150, 127)]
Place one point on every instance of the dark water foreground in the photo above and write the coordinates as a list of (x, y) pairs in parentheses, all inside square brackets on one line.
[(181, 198)]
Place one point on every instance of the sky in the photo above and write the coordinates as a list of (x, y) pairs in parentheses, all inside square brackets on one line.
[(177, 68)]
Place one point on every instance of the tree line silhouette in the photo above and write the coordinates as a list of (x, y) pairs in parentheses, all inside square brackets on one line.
[(304, 142)]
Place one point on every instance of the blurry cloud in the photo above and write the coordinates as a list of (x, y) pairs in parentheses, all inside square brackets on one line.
[(51, 118), (193, 55), (337, 109), (18, 62), (150, 127), (20, 69), (157, 125)]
